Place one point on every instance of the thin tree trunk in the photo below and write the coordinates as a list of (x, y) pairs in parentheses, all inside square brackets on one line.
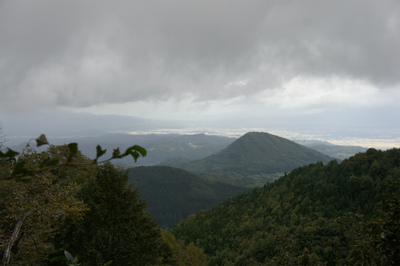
[(7, 251)]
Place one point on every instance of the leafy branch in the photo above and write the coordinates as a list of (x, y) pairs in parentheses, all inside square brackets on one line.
[(20, 171)]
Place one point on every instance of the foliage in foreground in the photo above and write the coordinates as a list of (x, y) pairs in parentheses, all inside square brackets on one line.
[(50, 198), (30, 211), (115, 228)]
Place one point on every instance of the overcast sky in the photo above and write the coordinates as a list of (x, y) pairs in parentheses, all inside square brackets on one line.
[(303, 61)]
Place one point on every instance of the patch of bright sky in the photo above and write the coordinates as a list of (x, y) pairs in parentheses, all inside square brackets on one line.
[(302, 92), (300, 95)]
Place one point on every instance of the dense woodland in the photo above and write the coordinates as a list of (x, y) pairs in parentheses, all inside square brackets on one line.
[(173, 194), (346, 213), (59, 207)]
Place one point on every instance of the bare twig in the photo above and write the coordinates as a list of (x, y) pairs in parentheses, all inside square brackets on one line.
[(7, 251)]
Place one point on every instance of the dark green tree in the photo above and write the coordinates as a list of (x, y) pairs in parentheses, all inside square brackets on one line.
[(379, 242), (37, 191), (115, 228)]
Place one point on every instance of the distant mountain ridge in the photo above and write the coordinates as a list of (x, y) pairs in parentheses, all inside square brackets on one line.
[(257, 153), (172, 149), (66, 124), (160, 147), (340, 152)]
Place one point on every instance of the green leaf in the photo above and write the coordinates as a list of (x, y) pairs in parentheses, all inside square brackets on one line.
[(116, 153), (9, 154), (69, 257), (135, 151), (41, 140), (141, 150), (136, 148), (135, 155), (100, 152), (75, 261)]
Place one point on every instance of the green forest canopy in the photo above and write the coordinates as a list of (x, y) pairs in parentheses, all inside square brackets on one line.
[(318, 213), (172, 194)]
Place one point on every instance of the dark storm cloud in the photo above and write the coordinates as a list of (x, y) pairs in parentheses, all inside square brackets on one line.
[(83, 53)]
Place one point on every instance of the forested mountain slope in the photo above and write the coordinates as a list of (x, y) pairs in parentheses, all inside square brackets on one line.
[(172, 194), (318, 213), (257, 153)]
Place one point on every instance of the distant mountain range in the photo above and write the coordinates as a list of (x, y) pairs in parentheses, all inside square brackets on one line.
[(256, 153), (62, 124), (111, 131), (172, 149), (159, 147), (335, 151)]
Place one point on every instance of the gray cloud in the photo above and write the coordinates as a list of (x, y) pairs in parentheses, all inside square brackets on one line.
[(83, 53)]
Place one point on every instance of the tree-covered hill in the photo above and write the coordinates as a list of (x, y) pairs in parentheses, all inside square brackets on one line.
[(172, 194), (257, 153), (316, 214)]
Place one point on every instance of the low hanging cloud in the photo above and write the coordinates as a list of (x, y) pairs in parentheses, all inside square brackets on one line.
[(85, 53)]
